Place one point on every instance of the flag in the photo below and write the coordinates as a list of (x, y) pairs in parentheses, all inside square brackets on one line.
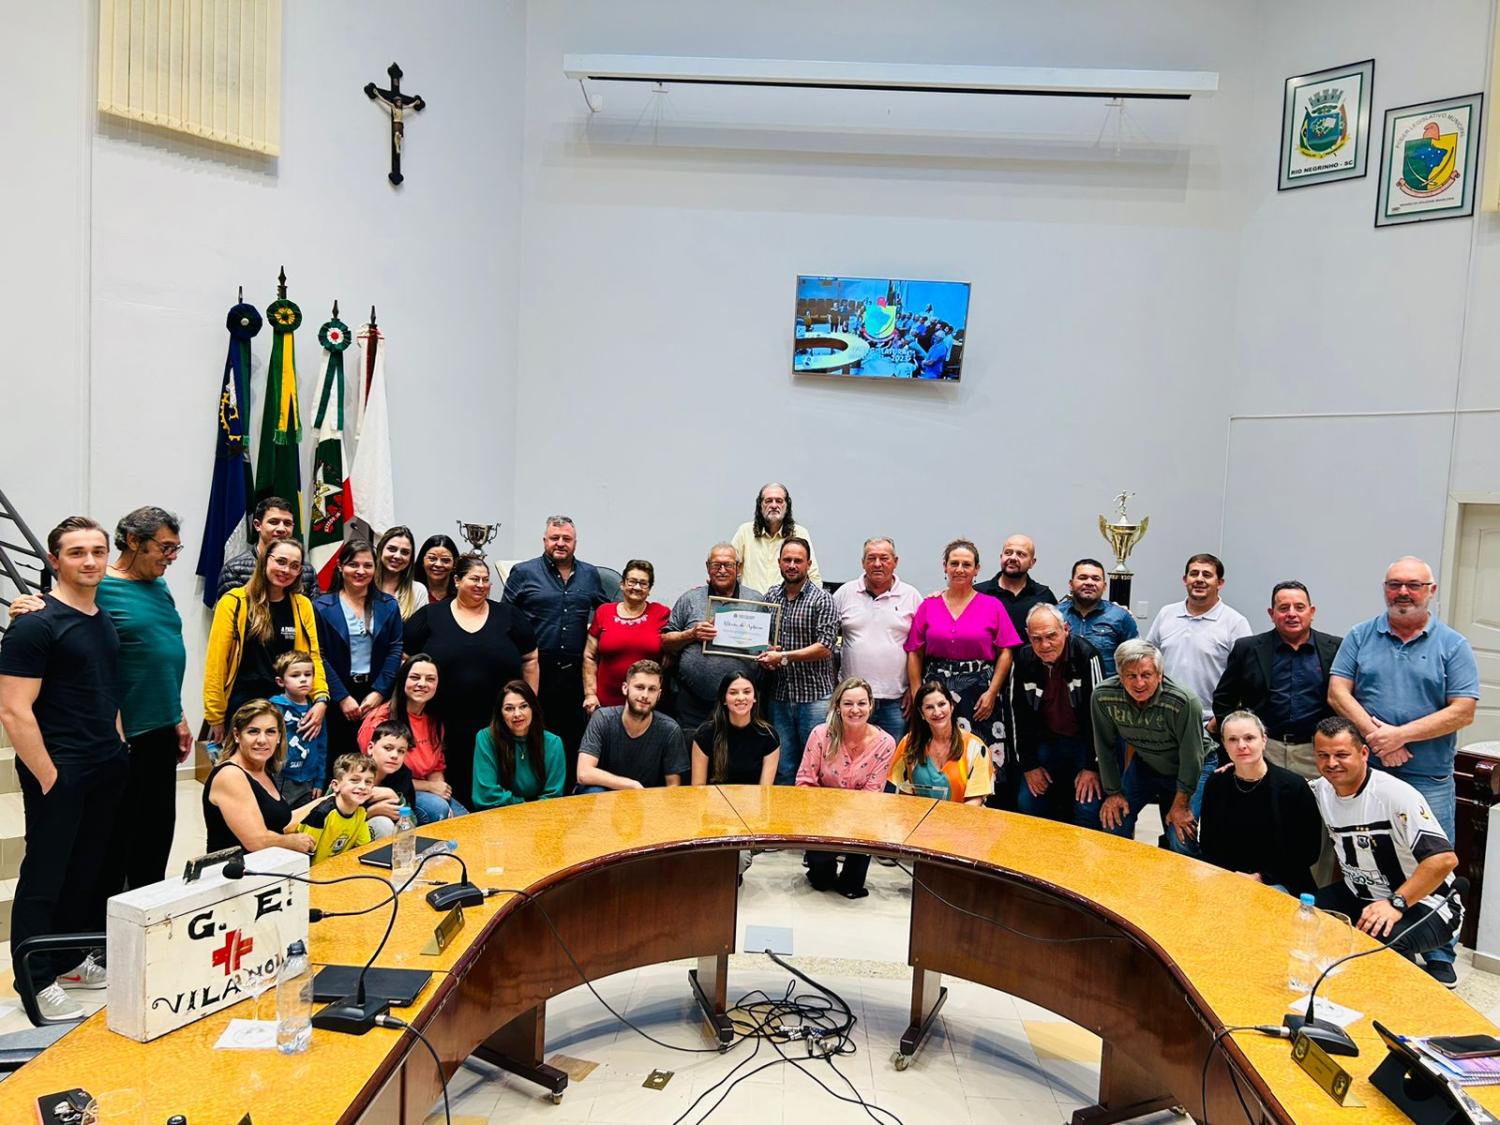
[(370, 478), (229, 504), (278, 471), (331, 503)]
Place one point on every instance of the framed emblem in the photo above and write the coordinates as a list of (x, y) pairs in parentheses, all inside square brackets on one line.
[(1429, 161), (1325, 125)]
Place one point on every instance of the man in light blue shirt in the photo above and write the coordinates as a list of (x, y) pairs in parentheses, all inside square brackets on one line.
[(1410, 684), (1103, 624)]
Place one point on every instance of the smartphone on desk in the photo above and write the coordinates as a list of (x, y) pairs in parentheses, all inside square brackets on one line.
[(1465, 1046)]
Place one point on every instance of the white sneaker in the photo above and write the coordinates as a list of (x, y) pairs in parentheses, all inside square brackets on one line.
[(89, 974), (56, 1005)]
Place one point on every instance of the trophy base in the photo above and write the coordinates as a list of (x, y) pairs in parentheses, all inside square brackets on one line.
[(1119, 588)]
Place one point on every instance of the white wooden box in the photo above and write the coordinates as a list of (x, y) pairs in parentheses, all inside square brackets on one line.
[(181, 951)]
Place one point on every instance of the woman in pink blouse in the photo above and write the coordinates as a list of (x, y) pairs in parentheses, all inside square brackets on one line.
[(846, 752), (962, 639)]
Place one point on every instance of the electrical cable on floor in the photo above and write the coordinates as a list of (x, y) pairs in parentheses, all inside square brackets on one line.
[(823, 1023)]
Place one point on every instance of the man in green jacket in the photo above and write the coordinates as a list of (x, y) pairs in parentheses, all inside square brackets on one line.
[(1161, 727)]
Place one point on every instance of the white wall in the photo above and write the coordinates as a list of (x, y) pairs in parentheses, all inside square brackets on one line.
[(659, 260), (176, 225), (1336, 318)]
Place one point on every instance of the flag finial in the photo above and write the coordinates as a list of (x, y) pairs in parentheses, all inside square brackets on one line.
[(281, 285), (372, 316), (241, 299), (335, 308)]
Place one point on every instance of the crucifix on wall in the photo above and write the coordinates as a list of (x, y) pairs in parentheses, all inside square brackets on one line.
[(398, 103)]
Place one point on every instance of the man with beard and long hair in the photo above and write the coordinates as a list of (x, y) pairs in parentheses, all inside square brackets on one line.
[(1409, 684)]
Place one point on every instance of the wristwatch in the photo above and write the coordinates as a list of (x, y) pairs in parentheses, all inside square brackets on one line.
[(1399, 903)]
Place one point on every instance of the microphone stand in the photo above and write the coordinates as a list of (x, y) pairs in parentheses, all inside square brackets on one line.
[(1329, 1035), (356, 1013)]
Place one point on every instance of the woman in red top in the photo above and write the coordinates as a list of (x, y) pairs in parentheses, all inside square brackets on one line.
[(621, 633), (413, 702)]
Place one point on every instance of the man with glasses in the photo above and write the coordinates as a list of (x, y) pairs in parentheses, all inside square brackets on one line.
[(271, 521), (1409, 684), (698, 673)]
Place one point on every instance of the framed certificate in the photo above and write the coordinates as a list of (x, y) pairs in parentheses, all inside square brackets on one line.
[(745, 628), (1429, 158)]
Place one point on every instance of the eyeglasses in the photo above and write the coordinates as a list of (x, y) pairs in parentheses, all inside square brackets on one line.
[(722, 565), (1397, 587), (170, 550), (636, 583)]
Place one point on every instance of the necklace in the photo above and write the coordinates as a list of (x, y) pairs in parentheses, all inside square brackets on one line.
[(1248, 788)]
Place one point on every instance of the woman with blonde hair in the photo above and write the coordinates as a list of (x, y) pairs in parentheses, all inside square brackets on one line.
[(253, 625), (395, 570), (846, 752), (938, 758), (241, 805)]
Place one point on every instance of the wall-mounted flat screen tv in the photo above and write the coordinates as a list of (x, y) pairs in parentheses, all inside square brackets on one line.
[(880, 328)]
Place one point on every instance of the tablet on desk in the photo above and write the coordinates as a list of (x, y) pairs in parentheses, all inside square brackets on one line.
[(399, 986), (381, 857)]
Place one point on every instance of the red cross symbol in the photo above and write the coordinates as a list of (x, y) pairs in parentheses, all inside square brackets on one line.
[(232, 950)]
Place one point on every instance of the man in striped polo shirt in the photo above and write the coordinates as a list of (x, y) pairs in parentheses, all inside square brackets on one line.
[(1161, 726)]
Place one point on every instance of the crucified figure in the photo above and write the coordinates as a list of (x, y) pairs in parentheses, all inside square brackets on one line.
[(398, 103)]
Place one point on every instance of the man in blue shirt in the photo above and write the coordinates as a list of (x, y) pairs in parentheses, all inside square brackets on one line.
[(934, 357), (559, 593), (1409, 683), (1103, 624)]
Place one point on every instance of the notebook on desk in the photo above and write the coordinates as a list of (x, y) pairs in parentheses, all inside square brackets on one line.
[(381, 857), (399, 986)]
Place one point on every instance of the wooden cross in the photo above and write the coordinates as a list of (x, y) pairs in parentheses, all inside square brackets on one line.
[(398, 103)]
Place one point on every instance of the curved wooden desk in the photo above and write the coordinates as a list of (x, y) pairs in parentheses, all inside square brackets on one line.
[(637, 878)]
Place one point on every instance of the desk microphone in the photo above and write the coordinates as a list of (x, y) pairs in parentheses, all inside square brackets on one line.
[(462, 893), (1428, 934), (357, 1013)]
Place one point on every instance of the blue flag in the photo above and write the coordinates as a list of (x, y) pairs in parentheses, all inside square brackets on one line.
[(229, 498)]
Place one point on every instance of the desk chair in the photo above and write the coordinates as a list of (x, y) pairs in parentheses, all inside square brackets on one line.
[(19, 1047)]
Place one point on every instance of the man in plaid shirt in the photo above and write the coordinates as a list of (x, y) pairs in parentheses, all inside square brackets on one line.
[(803, 660)]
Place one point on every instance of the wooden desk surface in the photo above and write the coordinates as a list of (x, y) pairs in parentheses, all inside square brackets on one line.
[(1225, 937)]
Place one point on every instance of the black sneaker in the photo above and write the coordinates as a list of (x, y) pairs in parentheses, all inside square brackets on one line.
[(1442, 972)]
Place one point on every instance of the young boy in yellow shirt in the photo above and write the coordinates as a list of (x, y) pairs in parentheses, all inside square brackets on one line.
[(338, 821)]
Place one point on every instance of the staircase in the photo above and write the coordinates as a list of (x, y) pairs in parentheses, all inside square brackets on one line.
[(23, 570)]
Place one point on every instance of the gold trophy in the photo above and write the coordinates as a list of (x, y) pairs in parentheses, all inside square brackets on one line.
[(1122, 536), (479, 535)]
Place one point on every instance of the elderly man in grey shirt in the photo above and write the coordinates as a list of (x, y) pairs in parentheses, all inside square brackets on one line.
[(698, 674)]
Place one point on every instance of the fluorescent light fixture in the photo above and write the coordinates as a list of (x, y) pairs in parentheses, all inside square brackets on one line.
[(923, 77)]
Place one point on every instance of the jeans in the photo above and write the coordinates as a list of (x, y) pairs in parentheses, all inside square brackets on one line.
[(1063, 759), (1143, 786), (431, 807), (793, 723), (1442, 799), (887, 716), (1211, 762)]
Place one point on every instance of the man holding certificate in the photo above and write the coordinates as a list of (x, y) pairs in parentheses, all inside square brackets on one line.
[(803, 659), (691, 633)]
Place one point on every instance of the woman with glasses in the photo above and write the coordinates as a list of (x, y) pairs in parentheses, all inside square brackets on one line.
[(621, 633), (434, 567), (134, 593), (395, 556)]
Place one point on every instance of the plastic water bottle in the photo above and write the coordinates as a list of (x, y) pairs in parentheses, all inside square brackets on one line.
[(1302, 965), (403, 850), (294, 1002)]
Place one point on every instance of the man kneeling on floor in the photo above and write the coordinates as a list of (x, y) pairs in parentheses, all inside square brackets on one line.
[(1397, 865)]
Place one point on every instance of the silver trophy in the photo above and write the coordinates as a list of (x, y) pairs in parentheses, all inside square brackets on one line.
[(479, 535)]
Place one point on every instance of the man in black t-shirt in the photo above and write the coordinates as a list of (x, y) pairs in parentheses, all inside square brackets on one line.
[(60, 704), (633, 747)]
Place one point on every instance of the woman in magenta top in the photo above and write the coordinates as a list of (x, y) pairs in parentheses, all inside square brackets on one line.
[(962, 639), (621, 633)]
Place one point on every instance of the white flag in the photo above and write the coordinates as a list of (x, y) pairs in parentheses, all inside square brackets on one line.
[(370, 477)]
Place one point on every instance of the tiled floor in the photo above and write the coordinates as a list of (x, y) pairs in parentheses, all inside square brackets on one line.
[(992, 1058)]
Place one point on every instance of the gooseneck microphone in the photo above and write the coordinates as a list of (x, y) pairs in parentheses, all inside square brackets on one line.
[(356, 1013), (1420, 937)]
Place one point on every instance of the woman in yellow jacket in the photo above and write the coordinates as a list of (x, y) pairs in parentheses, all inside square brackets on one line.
[(253, 625)]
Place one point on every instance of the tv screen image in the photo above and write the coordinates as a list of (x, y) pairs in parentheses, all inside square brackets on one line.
[(880, 328)]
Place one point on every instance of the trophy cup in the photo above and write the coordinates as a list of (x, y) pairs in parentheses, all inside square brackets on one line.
[(479, 535), (1122, 536)]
